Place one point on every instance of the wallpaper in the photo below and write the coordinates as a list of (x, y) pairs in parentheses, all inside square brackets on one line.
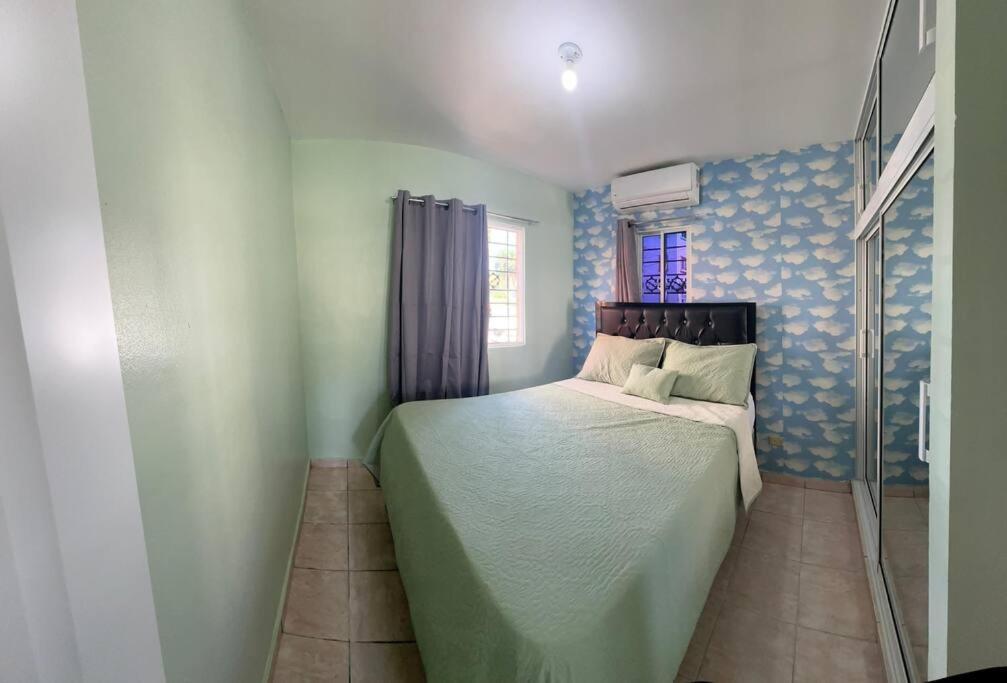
[(908, 285), (774, 229)]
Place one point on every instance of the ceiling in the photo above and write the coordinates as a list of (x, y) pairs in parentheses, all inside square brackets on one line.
[(661, 81)]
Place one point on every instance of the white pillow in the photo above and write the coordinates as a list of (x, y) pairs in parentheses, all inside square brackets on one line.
[(611, 358)]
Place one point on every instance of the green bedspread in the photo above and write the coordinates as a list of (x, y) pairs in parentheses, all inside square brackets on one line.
[(548, 535)]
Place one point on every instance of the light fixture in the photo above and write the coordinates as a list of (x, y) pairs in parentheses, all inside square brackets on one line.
[(570, 54)]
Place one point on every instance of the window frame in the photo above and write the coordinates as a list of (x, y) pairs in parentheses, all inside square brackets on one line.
[(662, 231), (518, 228)]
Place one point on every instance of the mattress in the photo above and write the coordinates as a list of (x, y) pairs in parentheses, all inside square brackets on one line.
[(550, 534)]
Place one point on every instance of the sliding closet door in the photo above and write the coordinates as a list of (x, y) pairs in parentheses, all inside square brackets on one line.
[(871, 366), (907, 245)]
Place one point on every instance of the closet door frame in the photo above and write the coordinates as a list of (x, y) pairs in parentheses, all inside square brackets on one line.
[(900, 666), (913, 149)]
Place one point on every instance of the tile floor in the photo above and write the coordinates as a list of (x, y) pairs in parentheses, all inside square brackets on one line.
[(790, 603), (346, 615)]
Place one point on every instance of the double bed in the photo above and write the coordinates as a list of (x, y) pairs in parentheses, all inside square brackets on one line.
[(568, 532)]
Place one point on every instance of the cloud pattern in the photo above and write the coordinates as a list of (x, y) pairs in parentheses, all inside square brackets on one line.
[(775, 229), (908, 284)]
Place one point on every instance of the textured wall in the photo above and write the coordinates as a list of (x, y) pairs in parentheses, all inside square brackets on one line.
[(344, 234), (775, 229), (194, 176)]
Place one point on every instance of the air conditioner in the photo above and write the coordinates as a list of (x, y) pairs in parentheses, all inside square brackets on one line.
[(664, 188)]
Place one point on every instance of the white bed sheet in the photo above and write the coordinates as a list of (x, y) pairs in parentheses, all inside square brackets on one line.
[(740, 419)]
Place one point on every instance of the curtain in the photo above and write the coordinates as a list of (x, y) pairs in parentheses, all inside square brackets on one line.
[(439, 328), (627, 275)]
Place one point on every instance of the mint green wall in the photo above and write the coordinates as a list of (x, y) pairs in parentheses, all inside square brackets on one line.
[(343, 218), (968, 547), (194, 175)]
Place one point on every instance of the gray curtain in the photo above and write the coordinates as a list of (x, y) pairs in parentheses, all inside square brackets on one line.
[(627, 275), (440, 301)]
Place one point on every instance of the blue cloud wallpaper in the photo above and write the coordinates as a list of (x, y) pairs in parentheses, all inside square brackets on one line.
[(775, 229)]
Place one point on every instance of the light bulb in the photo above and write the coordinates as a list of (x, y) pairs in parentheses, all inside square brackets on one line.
[(569, 78)]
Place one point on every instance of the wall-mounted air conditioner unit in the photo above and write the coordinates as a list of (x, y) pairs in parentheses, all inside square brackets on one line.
[(664, 188)]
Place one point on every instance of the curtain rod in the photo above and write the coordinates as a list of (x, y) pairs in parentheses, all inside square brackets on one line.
[(420, 200)]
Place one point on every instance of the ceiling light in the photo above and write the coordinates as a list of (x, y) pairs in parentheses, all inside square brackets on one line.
[(570, 54)]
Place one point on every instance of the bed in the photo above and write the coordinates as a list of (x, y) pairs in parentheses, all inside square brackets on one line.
[(568, 532)]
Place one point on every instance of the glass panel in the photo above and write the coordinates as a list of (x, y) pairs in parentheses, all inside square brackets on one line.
[(907, 233), (872, 310), (505, 255), (871, 155), (905, 73), (675, 264)]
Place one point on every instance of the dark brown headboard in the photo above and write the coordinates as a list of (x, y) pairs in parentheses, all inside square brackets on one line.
[(699, 323)]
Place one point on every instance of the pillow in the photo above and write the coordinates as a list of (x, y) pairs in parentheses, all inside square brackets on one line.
[(611, 358), (647, 382), (722, 374)]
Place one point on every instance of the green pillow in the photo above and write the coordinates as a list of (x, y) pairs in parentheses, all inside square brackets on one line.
[(722, 374), (611, 358), (647, 382)]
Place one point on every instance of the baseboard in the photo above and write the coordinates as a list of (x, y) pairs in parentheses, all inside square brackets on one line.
[(838, 486), (278, 623), (891, 653)]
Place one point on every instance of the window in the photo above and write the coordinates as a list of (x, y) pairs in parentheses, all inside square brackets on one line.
[(664, 267), (506, 260)]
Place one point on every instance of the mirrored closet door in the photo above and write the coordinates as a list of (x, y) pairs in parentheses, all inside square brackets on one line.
[(907, 247), (894, 236)]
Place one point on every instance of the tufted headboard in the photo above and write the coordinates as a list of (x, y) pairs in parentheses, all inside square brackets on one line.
[(705, 324)]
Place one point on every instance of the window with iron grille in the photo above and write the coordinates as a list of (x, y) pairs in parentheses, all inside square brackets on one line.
[(664, 266), (506, 279)]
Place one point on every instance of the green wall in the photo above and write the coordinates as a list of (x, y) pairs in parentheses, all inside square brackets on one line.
[(194, 175), (343, 218), (968, 546)]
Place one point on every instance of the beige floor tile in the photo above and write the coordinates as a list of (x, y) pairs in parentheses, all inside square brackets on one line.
[(693, 658), (899, 490), (371, 547), (328, 462), (912, 594), (920, 655), (740, 526), (924, 505), (775, 535), (764, 584), (832, 545), (750, 648), (318, 604), (378, 608), (327, 479), (326, 507), (826, 506), (836, 601), (359, 477), (386, 663), (827, 658), (367, 507), (906, 551), (322, 546), (828, 485), (921, 491), (780, 500), (902, 513), (302, 660), (723, 577)]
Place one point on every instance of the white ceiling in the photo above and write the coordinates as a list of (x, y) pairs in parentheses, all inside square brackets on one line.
[(661, 81)]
